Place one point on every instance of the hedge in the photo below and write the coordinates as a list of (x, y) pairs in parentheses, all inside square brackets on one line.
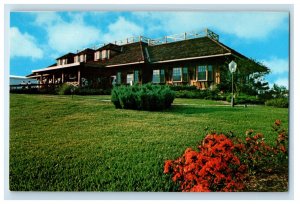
[(142, 97)]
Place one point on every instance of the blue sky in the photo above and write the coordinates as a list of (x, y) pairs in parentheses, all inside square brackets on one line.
[(38, 38)]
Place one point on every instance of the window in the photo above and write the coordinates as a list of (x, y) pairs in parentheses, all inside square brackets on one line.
[(184, 74), (97, 55), (177, 74), (162, 76), (158, 76), (129, 79), (76, 59), (82, 58), (209, 73), (119, 78), (104, 54), (136, 76), (202, 73), (205, 73)]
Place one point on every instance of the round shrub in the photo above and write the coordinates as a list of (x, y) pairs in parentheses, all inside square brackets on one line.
[(278, 102), (144, 97)]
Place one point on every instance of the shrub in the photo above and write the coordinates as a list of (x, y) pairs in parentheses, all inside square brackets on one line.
[(91, 91), (244, 99), (144, 97), (67, 89), (183, 88), (222, 164), (278, 102), (214, 168), (200, 94), (260, 156)]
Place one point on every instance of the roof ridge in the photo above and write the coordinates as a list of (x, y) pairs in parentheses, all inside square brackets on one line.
[(220, 44)]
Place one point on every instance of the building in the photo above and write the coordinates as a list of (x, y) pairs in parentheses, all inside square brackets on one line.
[(186, 59)]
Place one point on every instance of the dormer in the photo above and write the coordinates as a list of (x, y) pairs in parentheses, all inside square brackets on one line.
[(84, 55), (65, 59), (107, 52)]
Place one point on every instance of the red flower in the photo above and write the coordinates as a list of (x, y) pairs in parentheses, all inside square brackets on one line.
[(167, 166), (277, 122)]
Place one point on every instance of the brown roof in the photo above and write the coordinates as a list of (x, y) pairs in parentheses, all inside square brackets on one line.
[(140, 52), (86, 51), (186, 49), (130, 53), (66, 56), (110, 46)]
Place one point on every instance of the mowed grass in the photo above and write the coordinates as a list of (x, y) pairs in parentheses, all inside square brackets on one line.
[(60, 143)]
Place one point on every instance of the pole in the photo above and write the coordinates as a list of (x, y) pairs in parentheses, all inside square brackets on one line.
[(232, 100)]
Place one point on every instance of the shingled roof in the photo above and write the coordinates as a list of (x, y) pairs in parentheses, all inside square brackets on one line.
[(198, 47), (110, 46), (70, 54), (131, 53)]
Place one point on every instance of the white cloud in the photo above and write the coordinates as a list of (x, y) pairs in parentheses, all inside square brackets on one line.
[(248, 25), (122, 29), (66, 37), (47, 18), (277, 65), (23, 45), (279, 71), (282, 82)]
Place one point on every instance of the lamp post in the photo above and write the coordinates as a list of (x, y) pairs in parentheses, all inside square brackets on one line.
[(232, 68)]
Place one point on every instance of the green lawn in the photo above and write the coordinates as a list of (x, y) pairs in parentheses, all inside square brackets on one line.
[(60, 143)]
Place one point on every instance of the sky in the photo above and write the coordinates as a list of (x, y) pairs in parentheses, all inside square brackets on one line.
[(38, 38)]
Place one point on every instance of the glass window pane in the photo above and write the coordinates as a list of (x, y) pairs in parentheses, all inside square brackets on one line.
[(202, 72), (162, 76), (177, 74), (119, 78), (209, 73), (129, 78), (136, 75), (155, 77), (184, 74)]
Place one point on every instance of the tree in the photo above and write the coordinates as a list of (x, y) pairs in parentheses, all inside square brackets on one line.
[(248, 79)]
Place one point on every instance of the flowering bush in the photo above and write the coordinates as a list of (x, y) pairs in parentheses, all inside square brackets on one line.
[(258, 155), (222, 164), (214, 168)]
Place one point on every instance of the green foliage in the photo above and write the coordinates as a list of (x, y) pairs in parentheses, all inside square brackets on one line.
[(244, 99), (201, 94), (92, 91), (145, 97), (279, 91), (67, 89), (183, 88), (278, 102), (248, 79)]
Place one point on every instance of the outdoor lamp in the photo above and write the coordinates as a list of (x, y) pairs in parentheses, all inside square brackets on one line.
[(232, 68)]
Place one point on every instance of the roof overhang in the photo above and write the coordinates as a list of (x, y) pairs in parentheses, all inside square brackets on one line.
[(57, 67), (131, 63)]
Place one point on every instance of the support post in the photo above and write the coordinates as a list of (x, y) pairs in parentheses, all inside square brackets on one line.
[(232, 99), (53, 79), (79, 78), (41, 79), (62, 77)]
